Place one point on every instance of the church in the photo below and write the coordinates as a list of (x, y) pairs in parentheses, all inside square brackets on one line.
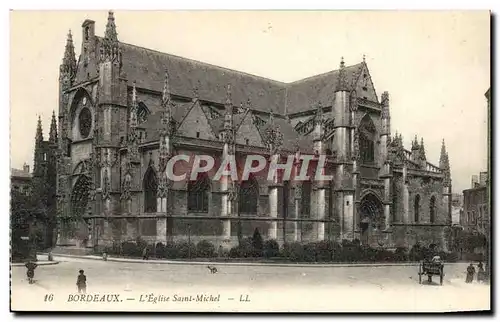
[(125, 111)]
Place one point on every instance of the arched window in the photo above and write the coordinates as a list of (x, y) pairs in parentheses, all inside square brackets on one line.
[(367, 137), (416, 208), (432, 209), (150, 189), (198, 194), (248, 196), (306, 199), (142, 112), (80, 196)]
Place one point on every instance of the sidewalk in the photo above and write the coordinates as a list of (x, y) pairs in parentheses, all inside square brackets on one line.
[(38, 262), (223, 263)]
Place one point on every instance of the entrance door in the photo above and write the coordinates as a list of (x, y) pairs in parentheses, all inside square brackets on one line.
[(371, 216)]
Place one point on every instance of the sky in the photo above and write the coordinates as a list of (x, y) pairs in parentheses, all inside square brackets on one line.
[(435, 65)]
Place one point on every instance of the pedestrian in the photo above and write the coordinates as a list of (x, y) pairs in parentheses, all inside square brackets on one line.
[(470, 273), (30, 266), (480, 272), (81, 282), (145, 253)]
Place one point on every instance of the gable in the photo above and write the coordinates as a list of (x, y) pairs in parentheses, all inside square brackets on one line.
[(248, 130), (364, 85), (195, 124)]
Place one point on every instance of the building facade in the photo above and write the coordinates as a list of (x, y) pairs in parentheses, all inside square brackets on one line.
[(476, 214), (20, 180), (125, 111)]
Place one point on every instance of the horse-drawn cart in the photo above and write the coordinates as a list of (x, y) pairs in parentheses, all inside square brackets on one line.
[(431, 268)]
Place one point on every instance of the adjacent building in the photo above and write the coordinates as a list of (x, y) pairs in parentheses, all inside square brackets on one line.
[(125, 111), (20, 180), (476, 215)]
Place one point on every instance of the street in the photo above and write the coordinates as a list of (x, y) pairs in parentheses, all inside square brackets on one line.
[(244, 288)]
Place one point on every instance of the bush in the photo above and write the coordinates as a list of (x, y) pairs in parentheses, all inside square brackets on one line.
[(160, 250), (185, 249), (294, 251), (205, 249), (400, 255), (271, 248), (244, 250), (324, 251)]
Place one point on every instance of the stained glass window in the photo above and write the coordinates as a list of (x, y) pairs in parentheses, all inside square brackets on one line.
[(248, 196), (80, 196), (150, 189), (432, 209), (416, 209), (367, 136), (85, 121), (198, 194)]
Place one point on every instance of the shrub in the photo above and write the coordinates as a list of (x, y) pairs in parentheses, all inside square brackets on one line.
[(324, 251), (400, 255), (294, 251), (129, 248), (271, 248), (171, 250), (310, 252), (205, 249), (160, 250), (244, 249), (185, 249)]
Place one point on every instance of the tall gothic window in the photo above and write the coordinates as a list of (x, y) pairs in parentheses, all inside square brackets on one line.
[(432, 209), (142, 112), (198, 194), (367, 137), (306, 199), (80, 196), (416, 208), (248, 196), (85, 122), (150, 189)]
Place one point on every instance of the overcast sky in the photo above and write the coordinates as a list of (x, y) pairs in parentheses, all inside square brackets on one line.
[(435, 65)]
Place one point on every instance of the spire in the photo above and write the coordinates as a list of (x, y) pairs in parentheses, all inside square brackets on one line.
[(53, 129), (165, 99), (68, 65), (385, 105), (342, 78), (229, 103), (444, 164), (422, 150), (364, 58), (319, 113), (133, 109), (111, 34), (271, 118), (414, 143), (39, 131)]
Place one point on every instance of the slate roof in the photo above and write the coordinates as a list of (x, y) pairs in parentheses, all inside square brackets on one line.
[(147, 67), (305, 94)]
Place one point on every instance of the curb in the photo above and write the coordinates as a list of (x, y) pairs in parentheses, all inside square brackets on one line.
[(40, 263), (126, 260)]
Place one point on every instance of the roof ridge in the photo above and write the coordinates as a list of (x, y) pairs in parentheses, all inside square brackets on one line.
[(207, 64), (322, 74)]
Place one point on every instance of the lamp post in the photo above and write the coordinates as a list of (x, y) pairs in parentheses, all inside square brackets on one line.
[(189, 241)]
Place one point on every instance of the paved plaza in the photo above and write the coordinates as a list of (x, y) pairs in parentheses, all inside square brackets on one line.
[(243, 288)]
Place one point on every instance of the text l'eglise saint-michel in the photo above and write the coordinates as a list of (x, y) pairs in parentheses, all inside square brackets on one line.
[(153, 298)]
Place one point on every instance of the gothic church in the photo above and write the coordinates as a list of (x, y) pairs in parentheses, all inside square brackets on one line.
[(124, 111)]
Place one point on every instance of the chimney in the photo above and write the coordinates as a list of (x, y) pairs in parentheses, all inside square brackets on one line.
[(475, 181), (26, 168)]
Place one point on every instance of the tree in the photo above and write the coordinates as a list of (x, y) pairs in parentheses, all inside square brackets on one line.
[(257, 242)]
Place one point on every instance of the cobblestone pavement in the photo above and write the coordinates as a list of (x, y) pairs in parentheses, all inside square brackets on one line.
[(393, 288)]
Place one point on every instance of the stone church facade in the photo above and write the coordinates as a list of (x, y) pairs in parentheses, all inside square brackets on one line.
[(125, 111)]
